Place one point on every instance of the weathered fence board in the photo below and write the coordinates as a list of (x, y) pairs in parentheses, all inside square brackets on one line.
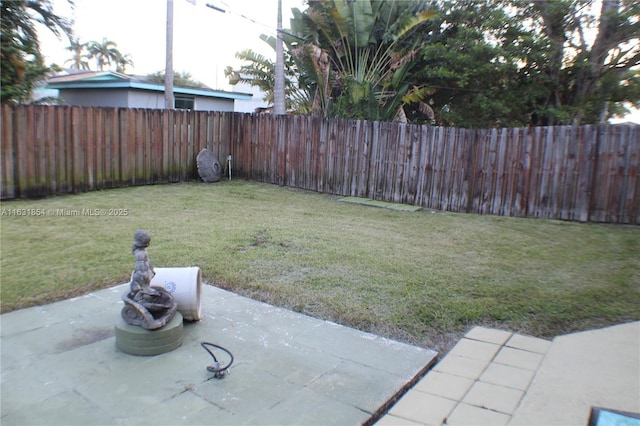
[(318, 144), (631, 189), (8, 184), (584, 173)]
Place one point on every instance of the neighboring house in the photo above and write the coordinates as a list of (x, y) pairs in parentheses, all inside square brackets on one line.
[(113, 89), (254, 103)]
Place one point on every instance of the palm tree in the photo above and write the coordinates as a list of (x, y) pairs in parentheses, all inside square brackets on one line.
[(105, 53), (259, 71), (78, 58), (122, 61)]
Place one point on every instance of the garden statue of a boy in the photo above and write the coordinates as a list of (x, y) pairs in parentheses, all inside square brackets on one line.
[(146, 306)]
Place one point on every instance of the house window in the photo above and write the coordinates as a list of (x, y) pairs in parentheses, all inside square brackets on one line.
[(184, 102)]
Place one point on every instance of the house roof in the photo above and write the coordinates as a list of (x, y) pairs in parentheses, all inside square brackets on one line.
[(116, 80)]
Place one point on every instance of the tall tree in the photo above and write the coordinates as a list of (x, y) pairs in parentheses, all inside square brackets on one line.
[(105, 53), (78, 59), (587, 80), (21, 62), (122, 62), (518, 63), (470, 56)]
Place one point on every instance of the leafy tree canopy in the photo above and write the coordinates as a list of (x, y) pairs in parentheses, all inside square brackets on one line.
[(182, 79), (461, 63), (518, 63), (21, 63)]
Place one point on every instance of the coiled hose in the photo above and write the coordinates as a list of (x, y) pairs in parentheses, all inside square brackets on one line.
[(216, 369)]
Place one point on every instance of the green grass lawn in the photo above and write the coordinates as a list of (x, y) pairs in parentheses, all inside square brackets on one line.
[(421, 277)]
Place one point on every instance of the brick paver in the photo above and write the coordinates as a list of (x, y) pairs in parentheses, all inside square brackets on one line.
[(480, 381)]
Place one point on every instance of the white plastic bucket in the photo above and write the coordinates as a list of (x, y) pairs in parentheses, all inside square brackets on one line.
[(185, 286)]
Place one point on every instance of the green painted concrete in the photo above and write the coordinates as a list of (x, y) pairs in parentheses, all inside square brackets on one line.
[(60, 366)]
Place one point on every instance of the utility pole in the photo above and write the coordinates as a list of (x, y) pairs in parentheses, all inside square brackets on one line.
[(278, 90), (168, 71)]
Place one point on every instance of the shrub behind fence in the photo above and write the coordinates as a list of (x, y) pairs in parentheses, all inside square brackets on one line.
[(585, 173)]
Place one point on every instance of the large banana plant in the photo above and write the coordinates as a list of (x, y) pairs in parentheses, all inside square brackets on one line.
[(356, 56)]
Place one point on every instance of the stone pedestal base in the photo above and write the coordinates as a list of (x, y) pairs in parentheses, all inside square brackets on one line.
[(135, 340)]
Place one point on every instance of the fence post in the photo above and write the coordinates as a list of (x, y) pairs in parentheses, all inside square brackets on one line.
[(8, 177), (594, 175)]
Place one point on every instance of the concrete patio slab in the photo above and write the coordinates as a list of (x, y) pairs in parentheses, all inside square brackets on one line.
[(596, 368), (465, 414), (60, 366)]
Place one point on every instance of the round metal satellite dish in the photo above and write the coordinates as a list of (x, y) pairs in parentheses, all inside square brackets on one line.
[(208, 166)]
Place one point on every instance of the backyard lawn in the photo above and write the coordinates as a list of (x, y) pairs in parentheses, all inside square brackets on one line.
[(423, 277)]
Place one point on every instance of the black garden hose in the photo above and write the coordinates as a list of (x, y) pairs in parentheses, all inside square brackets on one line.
[(216, 369)]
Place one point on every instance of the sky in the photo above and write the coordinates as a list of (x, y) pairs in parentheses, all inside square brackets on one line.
[(205, 41)]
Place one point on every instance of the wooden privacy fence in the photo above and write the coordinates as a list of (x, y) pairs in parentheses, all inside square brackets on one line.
[(585, 173), (59, 149)]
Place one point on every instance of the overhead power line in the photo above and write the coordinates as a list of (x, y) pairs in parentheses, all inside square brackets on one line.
[(268, 27)]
